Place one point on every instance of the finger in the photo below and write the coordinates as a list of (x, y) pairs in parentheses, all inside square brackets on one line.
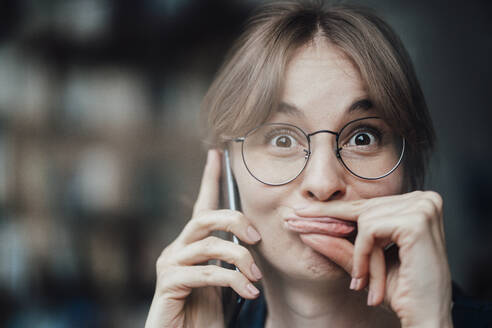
[(373, 233), (208, 196), (377, 277), (338, 250), (364, 243), (431, 204), (220, 220), (215, 248), (179, 282), (351, 210), (438, 203), (403, 231)]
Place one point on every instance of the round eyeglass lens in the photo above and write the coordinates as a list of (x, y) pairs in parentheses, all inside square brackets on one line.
[(369, 148), (275, 154)]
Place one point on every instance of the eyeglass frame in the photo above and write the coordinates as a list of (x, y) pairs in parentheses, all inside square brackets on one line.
[(309, 152)]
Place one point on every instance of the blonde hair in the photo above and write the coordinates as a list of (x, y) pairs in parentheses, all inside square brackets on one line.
[(247, 88)]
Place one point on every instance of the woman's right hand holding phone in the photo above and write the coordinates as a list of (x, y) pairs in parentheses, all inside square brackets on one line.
[(187, 293)]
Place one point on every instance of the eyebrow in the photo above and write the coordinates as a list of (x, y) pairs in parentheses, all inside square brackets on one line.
[(359, 105), (362, 104), (290, 109)]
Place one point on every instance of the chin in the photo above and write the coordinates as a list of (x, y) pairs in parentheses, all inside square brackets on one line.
[(314, 266), (300, 262)]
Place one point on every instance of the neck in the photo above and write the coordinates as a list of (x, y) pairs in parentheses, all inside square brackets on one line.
[(295, 303)]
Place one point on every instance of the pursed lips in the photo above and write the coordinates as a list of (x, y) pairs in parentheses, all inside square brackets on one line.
[(321, 225)]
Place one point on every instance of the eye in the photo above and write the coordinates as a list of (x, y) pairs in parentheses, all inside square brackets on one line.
[(364, 138), (283, 141)]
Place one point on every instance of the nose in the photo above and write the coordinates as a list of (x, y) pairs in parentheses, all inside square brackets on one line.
[(323, 177)]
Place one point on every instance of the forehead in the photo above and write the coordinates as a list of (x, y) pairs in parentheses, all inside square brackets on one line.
[(322, 81), (322, 62)]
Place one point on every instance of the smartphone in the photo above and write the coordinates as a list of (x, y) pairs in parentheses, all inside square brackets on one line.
[(230, 195), (231, 302)]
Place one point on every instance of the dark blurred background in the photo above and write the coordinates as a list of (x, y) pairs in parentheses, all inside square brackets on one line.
[(101, 151)]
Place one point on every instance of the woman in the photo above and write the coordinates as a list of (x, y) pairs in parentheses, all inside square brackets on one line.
[(329, 136)]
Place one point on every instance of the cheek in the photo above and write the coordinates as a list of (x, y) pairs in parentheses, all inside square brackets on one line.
[(258, 201), (390, 185)]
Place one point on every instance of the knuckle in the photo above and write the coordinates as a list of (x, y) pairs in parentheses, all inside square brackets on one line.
[(198, 211), (244, 255), (234, 219), (165, 279), (426, 205), (201, 222), (162, 261), (365, 237), (436, 198), (208, 273), (237, 217), (160, 264), (370, 230), (364, 232), (428, 208), (363, 221), (208, 244)]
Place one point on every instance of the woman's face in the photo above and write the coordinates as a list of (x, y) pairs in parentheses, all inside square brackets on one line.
[(321, 84)]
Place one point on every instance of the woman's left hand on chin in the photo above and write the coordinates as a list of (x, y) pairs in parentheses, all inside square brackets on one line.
[(415, 282)]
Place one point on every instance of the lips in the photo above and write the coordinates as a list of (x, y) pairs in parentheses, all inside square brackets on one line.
[(321, 225)]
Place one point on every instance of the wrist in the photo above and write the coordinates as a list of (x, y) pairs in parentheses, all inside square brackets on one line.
[(445, 321)]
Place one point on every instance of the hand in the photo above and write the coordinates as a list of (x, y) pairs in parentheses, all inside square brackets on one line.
[(187, 293), (416, 282)]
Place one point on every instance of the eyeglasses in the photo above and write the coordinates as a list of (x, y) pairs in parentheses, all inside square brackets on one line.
[(277, 153)]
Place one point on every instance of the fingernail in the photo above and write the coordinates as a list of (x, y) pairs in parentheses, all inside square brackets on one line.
[(256, 271), (358, 283), (370, 298), (252, 289), (253, 235), (353, 283)]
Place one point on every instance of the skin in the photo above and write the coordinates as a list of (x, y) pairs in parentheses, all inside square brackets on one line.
[(312, 279)]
